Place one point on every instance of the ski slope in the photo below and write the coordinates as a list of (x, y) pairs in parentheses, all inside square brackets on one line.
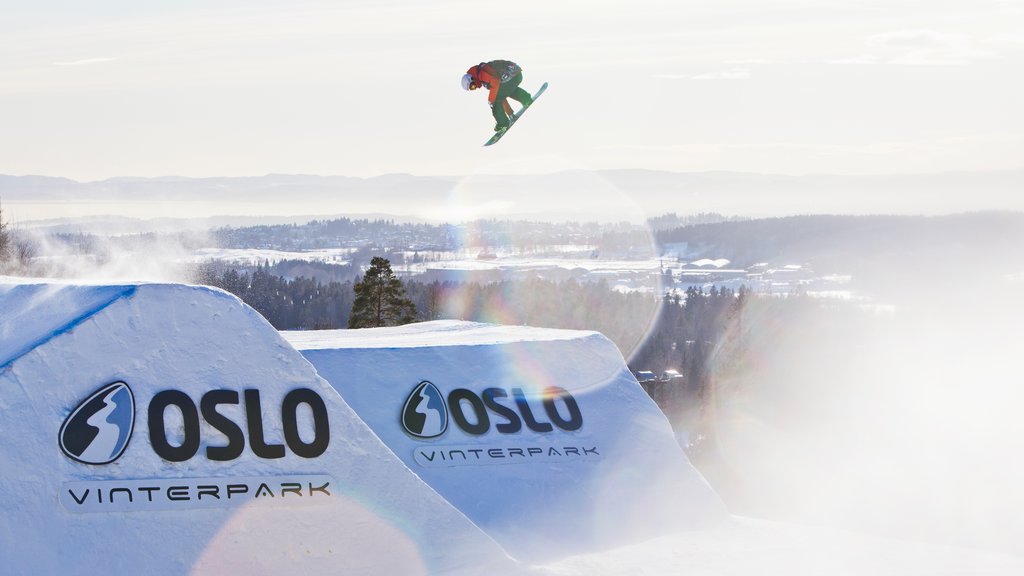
[(169, 429)]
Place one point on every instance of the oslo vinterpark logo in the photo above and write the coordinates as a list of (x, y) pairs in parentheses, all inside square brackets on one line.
[(98, 430), (425, 414), (529, 428)]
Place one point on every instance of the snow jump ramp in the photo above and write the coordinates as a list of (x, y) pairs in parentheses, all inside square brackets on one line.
[(169, 429), (541, 437)]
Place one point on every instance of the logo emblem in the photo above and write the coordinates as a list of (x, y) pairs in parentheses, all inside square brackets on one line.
[(425, 414), (98, 430)]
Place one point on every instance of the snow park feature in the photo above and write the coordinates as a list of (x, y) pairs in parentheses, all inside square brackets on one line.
[(542, 437), (169, 429)]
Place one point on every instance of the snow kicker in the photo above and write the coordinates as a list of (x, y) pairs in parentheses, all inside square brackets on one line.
[(168, 429), (541, 437)]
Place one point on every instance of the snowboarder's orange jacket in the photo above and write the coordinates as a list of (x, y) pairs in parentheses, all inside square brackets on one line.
[(492, 74)]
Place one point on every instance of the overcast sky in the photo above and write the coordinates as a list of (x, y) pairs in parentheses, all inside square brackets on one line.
[(91, 90)]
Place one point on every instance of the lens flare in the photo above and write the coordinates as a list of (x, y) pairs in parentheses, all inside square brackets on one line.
[(273, 538), (571, 227)]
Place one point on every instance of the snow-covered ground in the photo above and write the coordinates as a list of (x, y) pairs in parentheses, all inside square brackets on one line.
[(255, 256), (230, 454), (226, 451), (541, 437), (747, 547), (513, 264), (642, 273)]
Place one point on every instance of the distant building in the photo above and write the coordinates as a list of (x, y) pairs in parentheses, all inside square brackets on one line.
[(644, 376), (670, 374), (707, 271)]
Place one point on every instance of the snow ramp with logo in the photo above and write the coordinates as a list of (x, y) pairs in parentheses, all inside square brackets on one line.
[(542, 437), (169, 429)]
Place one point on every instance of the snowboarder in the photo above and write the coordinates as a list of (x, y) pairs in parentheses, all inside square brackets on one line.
[(502, 78)]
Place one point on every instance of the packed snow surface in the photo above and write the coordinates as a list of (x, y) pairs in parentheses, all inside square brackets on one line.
[(542, 437), (229, 453), (426, 334), (336, 499)]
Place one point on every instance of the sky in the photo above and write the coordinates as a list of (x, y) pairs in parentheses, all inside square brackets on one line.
[(96, 90)]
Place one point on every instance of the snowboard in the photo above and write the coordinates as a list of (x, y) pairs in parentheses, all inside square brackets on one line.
[(513, 118)]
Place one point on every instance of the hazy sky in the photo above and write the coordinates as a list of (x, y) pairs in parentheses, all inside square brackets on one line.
[(361, 88)]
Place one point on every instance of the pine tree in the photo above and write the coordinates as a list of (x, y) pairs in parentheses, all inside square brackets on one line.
[(380, 298), (5, 239)]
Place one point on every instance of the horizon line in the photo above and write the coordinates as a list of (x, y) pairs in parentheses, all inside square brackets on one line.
[(173, 177)]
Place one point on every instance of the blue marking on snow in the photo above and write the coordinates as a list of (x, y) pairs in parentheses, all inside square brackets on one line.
[(30, 316)]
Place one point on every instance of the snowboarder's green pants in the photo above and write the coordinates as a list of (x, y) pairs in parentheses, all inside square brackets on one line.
[(509, 89)]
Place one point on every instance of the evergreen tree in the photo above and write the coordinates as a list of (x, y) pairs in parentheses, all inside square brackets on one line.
[(380, 298), (5, 239)]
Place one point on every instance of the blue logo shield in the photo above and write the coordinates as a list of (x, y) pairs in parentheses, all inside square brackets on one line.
[(98, 430), (425, 414)]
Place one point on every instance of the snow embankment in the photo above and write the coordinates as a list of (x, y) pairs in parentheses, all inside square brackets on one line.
[(542, 437), (166, 429)]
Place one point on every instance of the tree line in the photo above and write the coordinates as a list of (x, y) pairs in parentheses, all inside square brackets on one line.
[(14, 253), (383, 234), (308, 304)]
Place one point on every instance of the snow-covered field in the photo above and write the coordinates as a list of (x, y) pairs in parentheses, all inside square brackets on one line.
[(643, 273), (513, 263), (256, 256)]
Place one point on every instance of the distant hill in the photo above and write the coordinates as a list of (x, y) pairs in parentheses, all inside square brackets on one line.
[(879, 251), (568, 195), (117, 225), (269, 188)]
